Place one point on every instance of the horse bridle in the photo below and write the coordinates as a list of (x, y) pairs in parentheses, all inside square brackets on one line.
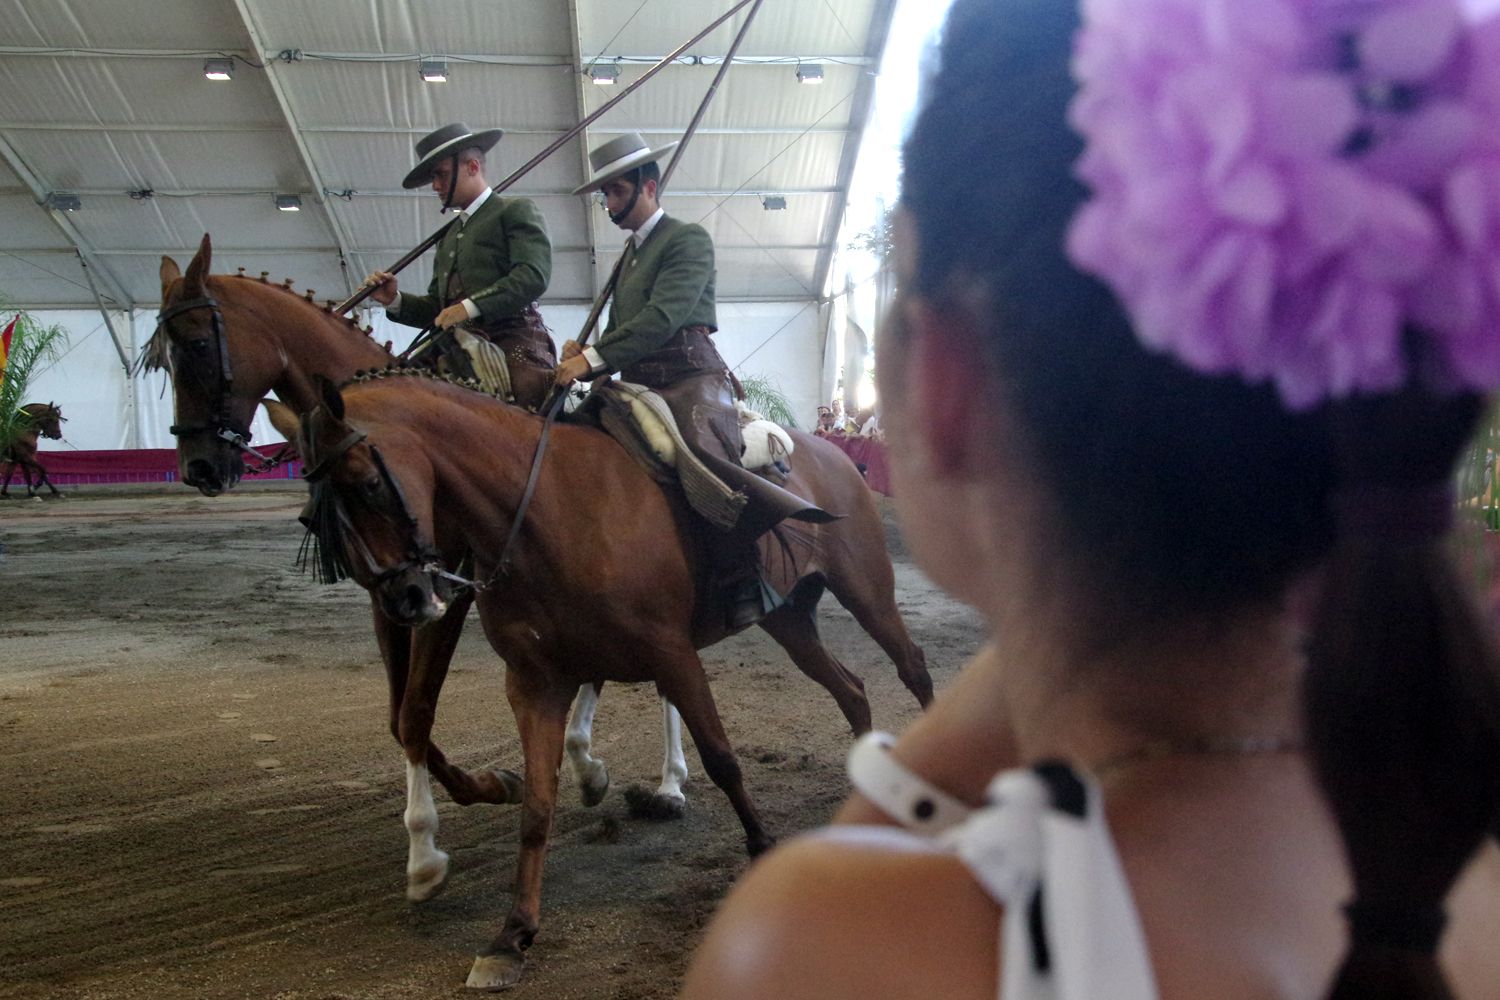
[(221, 425), (421, 558)]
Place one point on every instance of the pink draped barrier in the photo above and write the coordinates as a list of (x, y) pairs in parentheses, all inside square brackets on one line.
[(142, 465), (869, 453)]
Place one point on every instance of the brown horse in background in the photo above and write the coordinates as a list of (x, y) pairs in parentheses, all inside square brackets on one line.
[(604, 582), (41, 420)]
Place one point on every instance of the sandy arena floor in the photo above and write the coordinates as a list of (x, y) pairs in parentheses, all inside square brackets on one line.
[(200, 797)]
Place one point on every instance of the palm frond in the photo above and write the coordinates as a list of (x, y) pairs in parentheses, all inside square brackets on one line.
[(764, 396), (32, 348)]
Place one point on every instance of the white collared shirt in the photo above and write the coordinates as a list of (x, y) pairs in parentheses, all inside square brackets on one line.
[(642, 234), (463, 217)]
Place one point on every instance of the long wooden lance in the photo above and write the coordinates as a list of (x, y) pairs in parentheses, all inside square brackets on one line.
[(609, 286), (557, 144), (553, 405)]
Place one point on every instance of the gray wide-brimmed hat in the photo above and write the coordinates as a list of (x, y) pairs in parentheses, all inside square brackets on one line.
[(619, 156), (446, 141)]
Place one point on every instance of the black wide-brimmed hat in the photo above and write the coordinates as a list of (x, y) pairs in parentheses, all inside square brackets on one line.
[(619, 156), (443, 142)]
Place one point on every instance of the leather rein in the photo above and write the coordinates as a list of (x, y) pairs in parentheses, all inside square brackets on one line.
[(221, 425)]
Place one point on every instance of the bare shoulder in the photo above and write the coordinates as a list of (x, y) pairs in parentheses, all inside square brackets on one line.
[(857, 917), (1469, 953)]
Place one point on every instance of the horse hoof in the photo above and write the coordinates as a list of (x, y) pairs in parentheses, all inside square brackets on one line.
[(513, 784), (593, 786), (493, 973), (756, 846), (667, 805), (427, 881), (643, 804)]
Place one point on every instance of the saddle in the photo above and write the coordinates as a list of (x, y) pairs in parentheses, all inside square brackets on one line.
[(642, 422), (512, 358)]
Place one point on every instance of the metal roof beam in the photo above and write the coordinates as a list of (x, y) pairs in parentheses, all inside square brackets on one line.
[(590, 221), (253, 127), (859, 119), (86, 253), (557, 193), (287, 56), (273, 78)]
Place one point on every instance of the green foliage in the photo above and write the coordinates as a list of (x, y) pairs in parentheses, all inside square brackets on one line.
[(32, 347), (879, 239), (764, 396), (1479, 497)]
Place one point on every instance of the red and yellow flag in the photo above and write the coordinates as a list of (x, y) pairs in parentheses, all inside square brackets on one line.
[(10, 328)]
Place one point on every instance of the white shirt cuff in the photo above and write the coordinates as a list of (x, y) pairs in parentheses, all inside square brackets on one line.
[(471, 308), (596, 363), (395, 306)]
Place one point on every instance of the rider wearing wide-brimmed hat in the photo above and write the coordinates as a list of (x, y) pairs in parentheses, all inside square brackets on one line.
[(659, 335), (491, 266)]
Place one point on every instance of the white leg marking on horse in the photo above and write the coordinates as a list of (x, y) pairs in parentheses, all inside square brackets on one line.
[(592, 775), (673, 765), (426, 866)]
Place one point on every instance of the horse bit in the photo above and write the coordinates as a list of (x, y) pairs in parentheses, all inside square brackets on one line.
[(222, 427)]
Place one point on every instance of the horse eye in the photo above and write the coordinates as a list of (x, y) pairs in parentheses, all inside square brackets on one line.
[(199, 346), (370, 488)]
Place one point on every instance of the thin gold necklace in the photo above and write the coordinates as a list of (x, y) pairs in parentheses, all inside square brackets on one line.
[(1252, 746)]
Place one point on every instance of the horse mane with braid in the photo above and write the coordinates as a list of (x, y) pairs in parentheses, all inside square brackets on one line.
[(156, 355)]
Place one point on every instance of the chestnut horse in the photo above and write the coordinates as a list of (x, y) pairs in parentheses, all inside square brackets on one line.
[(41, 419), (229, 341), (603, 584)]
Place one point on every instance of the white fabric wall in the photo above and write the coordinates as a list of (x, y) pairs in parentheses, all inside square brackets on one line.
[(105, 410)]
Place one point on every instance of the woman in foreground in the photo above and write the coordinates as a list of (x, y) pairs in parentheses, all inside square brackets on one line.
[(1227, 277)]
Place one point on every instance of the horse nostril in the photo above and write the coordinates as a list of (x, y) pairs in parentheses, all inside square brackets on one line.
[(200, 471), (415, 597)]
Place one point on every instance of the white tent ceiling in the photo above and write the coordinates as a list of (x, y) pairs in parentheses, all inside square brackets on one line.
[(108, 100)]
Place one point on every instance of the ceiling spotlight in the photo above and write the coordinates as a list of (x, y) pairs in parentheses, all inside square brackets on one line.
[(773, 202), (809, 72), (218, 68), (288, 203), (434, 70), (63, 201), (606, 75)]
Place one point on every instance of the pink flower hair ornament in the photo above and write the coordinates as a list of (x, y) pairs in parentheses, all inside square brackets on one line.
[(1280, 187)]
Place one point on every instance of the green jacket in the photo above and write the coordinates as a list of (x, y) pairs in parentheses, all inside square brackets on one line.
[(666, 285), (503, 260)]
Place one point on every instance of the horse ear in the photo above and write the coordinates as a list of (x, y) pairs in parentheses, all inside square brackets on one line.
[(333, 401), (282, 418), (170, 272), (198, 267)]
